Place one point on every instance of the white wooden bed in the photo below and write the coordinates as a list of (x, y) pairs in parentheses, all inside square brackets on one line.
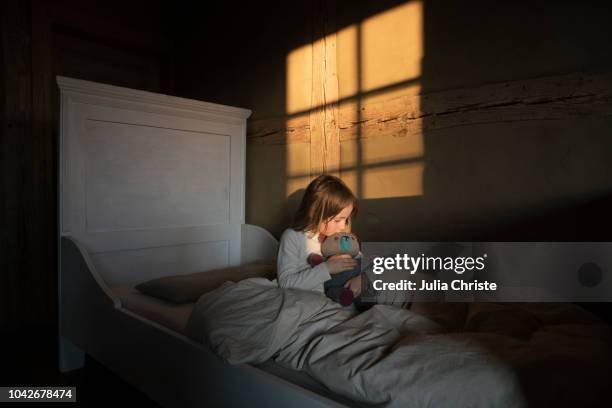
[(151, 186)]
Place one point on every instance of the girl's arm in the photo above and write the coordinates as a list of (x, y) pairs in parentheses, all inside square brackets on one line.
[(292, 272)]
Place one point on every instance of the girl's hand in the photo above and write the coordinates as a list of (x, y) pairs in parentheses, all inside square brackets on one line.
[(354, 284), (340, 263)]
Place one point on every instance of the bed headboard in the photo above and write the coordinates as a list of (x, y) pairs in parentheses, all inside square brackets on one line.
[(150, 185)]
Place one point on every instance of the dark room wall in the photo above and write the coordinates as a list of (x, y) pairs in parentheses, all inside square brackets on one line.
[(544, 174), (111, 42), (511, 136)]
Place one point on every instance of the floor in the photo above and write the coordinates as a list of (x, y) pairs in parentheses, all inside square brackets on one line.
[(32, 361)]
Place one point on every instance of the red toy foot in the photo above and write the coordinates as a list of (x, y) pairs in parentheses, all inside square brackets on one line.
[(314, 259), (346, 297)]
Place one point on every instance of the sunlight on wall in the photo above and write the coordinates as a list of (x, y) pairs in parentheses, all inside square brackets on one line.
[(298, 161), (378, 66), (386, 167), (299, 79), (348, 70), (392, 46)]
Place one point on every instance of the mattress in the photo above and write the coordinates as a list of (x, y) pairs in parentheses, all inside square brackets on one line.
[(168, 314)]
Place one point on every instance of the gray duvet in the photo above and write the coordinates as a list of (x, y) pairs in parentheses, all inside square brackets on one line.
[(386, 355)]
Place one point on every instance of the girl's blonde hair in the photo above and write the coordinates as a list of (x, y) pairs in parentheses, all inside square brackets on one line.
[(324, 198)]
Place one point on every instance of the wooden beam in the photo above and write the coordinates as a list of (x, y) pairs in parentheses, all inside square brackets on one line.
[(323, 117), (280, 130), (547, 98)]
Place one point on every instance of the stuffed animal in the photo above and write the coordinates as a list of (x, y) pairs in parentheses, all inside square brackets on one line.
[(339, 243)]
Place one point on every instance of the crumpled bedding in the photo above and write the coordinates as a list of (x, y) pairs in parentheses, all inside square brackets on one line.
[(388, 356), (561, 353)]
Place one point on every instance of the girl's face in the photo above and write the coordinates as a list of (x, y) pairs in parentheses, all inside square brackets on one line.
[(337, 223)]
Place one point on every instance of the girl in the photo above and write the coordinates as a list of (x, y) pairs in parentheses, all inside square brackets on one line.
[(328, 206)]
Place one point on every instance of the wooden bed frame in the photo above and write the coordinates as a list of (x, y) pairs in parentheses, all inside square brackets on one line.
[(150, 186)]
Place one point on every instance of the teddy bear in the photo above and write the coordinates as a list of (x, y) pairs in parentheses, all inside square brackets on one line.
[(338, 243)]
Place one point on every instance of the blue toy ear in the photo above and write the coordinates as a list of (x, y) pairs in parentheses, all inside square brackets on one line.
[(345, 243)]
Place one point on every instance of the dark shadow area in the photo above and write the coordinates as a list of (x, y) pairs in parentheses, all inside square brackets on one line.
[(524, 181), (32, 360)]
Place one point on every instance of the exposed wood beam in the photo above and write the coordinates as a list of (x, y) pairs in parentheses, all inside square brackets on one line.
[(547, 98), (323, 117)]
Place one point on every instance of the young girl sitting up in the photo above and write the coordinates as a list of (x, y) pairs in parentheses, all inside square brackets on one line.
[(327, 207)]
